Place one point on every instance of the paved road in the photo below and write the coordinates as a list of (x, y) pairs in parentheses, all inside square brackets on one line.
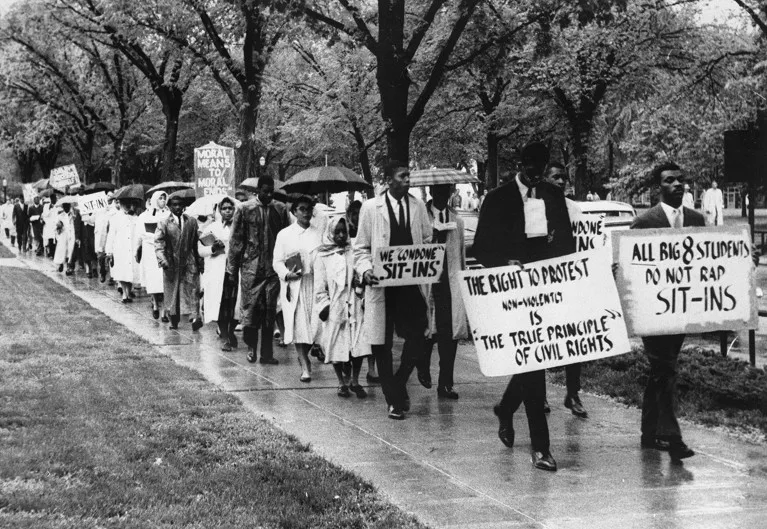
[(444, 463)]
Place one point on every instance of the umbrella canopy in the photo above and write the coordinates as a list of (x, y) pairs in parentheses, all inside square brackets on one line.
[(74, 189), (131, 192), (251, 184), (69, 199), (170, 187), (325, 179), (41, 184), (187, 196), (204, 206), (435, 177), (48, 192), (99, 186)]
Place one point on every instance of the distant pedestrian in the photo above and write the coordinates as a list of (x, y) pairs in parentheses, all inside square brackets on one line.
[(21, 222), (687, 200), (713, 205), (177, 254), (153, 277), (36, 221), (119, 248), (50, 218), (66, 239)]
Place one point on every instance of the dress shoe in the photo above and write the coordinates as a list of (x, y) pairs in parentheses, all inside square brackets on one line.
[(359, 391), (678, 451), (196, 324), (227, 347), (233, 341), (343, 391), (396, 413), (164, 319), (69, 272), (505, 427), (372, 378), (447, 393), (119, 290), (61, 268), (544, 461), (252, 356), (155, 313), (424, 377), (269, 361), (126, 300), (305, 378), (546, 407), (103, 278), (576, 406), (655, 443)]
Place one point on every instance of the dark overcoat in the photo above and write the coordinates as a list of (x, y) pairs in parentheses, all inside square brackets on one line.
[(177, 248)]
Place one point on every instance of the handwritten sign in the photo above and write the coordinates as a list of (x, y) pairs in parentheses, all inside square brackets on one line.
[(548, 314), (415, 264), (64, 176), (589, 232), (93, 203), (29, 192), (214, 170), (686, 280)]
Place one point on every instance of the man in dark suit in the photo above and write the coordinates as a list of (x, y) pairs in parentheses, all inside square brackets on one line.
[(35, 218), (660, 429), (505, 235), (21, 220)]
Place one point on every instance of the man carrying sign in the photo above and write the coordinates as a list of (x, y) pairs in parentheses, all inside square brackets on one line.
[(660, 429), (522, 222), (394, 218)]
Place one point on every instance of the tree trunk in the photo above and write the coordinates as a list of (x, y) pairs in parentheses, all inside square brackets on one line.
[(481, 175), (117, 159), (392, 77), (364, 156), (172, 100), (581, 182), (491, 172)]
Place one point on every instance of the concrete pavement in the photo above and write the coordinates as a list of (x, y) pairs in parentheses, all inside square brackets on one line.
[(445, 464)]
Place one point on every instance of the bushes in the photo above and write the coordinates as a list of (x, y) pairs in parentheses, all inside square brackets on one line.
[(712, 389)]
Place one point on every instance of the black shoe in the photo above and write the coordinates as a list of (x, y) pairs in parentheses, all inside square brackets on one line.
[(111, 282), (343, 391), (505, 428), (576, 406), (69, 272), (173, 326), (544, 461), (227, 347), (359, 391), (164, 319), (655, 444), (103, 278), (233, 340), (155, 313), (125, 301), (447, 393), (252, 357), (406, 402), (396, 413), (372, 379), (546, 407), (119, 290), (269, 361), (424, 377), (678, 451), (197, 324)]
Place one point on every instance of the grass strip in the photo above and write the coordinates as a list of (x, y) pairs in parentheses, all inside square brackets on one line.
[(712, 390), (99, 430), (5, 253)]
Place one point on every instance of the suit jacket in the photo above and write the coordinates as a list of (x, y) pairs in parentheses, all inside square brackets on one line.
[(500, 235), (655, 217), (21, 217)]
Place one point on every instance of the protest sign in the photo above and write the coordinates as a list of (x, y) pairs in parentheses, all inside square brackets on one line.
[(589, 231), (686, 280), (93, 203), (548, 314), (29, 192), (214, 170), (416, 264), (63, 177)]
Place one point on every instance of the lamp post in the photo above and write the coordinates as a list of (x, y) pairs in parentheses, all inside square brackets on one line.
[(5, 190)]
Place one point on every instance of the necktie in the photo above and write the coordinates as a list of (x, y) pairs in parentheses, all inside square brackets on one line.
[(677, 218), (531, 192), (441, 217), (401, 213)]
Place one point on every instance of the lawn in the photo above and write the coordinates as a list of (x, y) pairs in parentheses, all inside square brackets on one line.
[(97, 429)]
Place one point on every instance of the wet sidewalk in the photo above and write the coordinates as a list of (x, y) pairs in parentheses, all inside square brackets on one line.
[(445, 464)]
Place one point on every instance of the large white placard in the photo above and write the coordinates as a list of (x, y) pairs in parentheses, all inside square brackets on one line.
[(548, 314), (414, 264), (686, 280), (93, 203), (214, 170), (62, 177)]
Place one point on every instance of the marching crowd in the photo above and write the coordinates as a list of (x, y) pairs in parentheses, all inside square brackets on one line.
[(298, 274)]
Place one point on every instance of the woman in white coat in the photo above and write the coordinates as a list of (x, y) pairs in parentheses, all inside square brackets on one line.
[(50, 218), (338, 298), (119, 248), (65, 236), (220, 299), (294, 252), (151, 273)]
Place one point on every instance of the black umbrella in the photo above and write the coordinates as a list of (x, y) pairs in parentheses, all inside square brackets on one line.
[(50, 191), (170, 187), (327, 179), (251, 184), (97, 187), (187, 196), (131, 192)]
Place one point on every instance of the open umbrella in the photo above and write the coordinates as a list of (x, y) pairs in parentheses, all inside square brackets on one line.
[(48, 192), (187, 196), (170, 187), (251, 184), (69, 199), (131, 192), (41, 184), (96, 187), (330, 179), (204, 206), (435, 177)]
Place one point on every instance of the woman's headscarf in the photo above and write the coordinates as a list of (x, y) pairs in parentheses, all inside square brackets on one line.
[(155, 199), (328, 244)]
